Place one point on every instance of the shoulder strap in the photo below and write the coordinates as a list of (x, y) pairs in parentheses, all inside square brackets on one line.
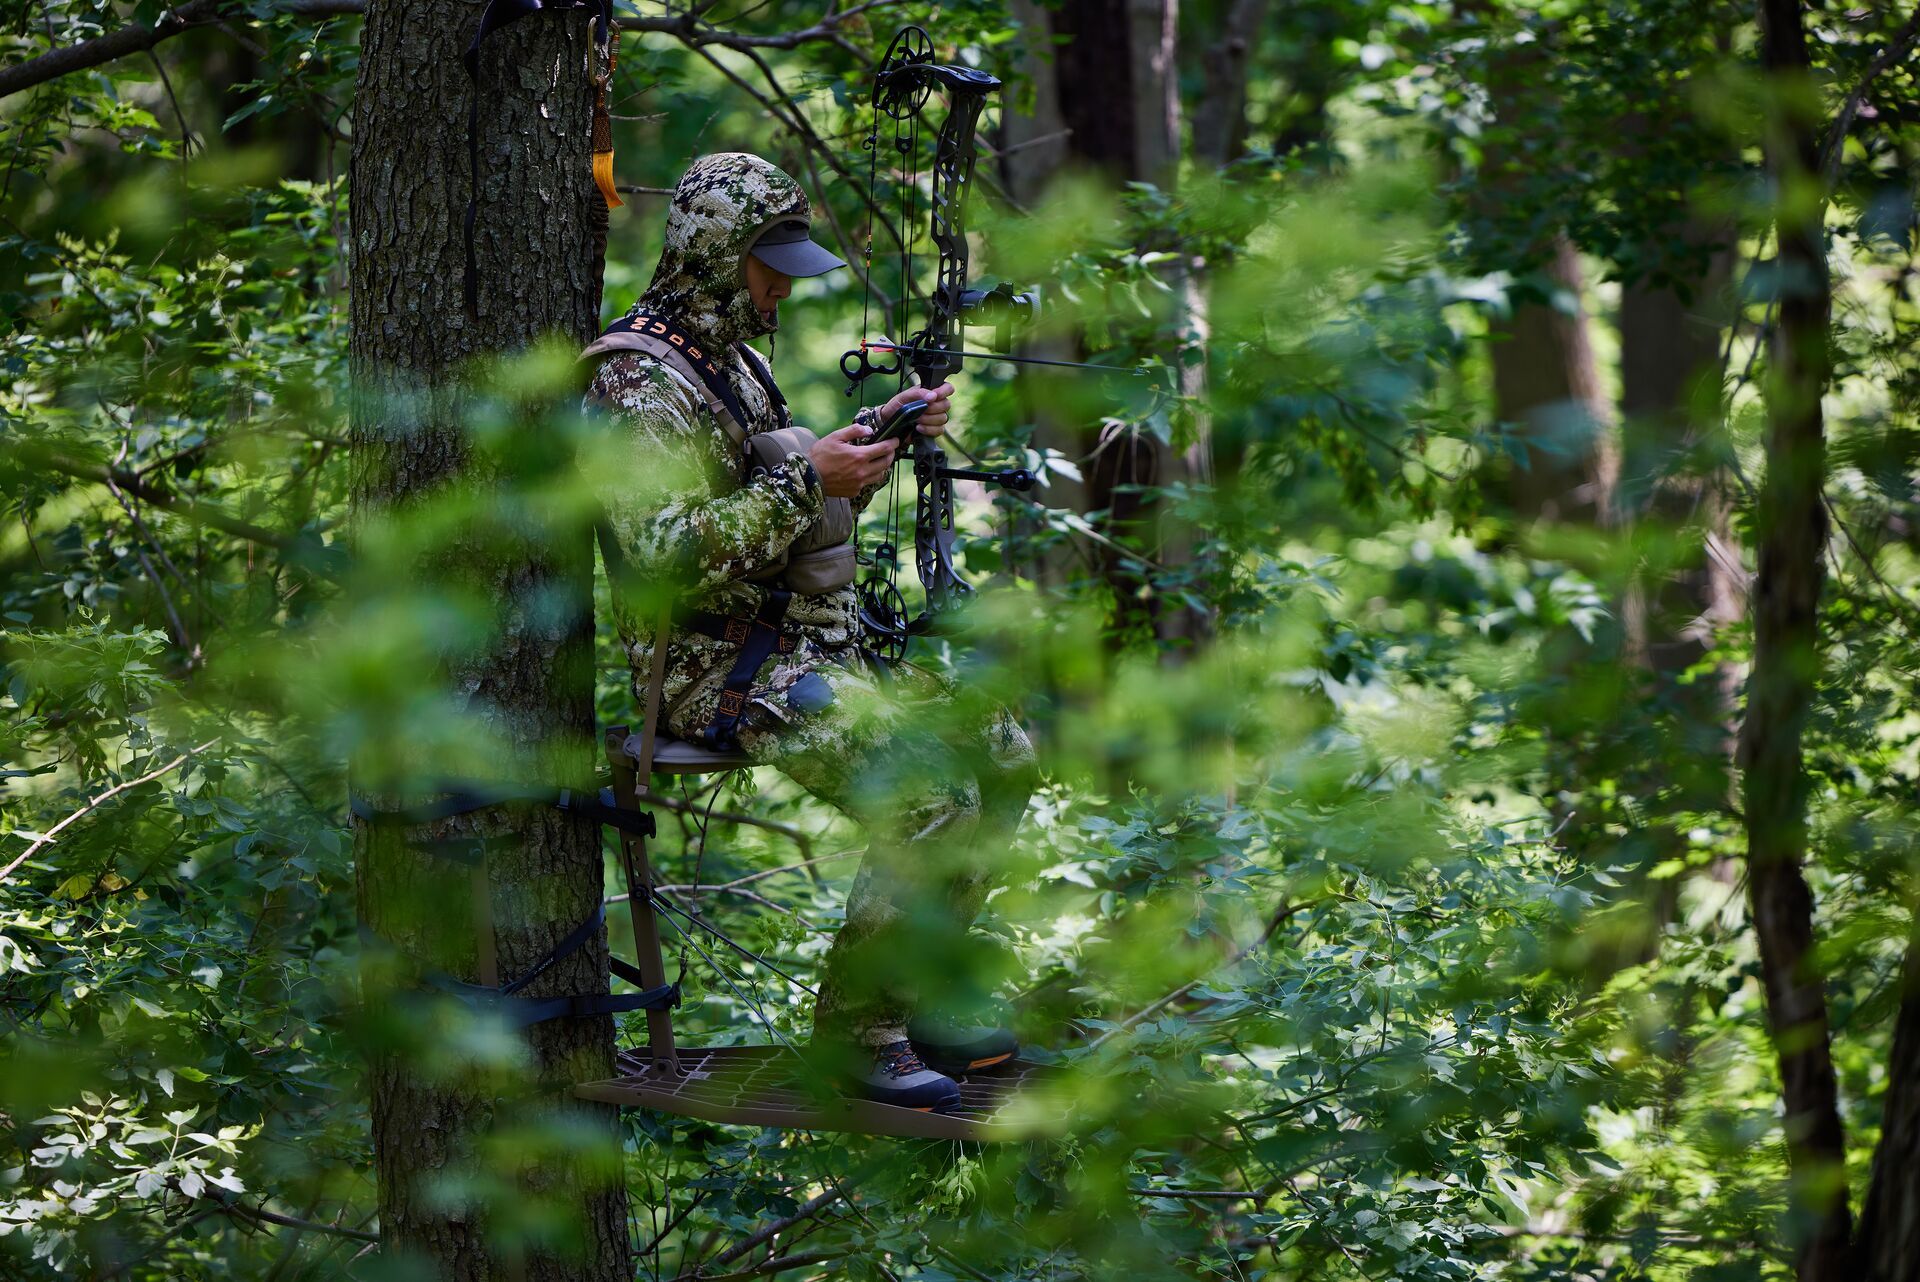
[(763, 375), (666, 342)]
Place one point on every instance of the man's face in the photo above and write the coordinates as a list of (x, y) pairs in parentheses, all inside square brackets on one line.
[(767, 287)]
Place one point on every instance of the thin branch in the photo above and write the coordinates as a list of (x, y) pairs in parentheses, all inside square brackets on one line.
[(1274, 923), (1897, 48), (166, 83), (192, 509), (779, 1264), (141, 39), (47, 838), (287, 1221), (808, 1209), (201, 13), (793, 834)]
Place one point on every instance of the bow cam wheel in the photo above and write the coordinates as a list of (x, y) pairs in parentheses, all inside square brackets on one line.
[(897, 91), (883, 616)]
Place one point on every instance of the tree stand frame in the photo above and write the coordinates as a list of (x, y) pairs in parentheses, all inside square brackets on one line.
[(764, 1085)]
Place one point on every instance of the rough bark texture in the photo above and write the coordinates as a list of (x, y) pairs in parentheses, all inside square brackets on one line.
[(1889, 1243), (411, 342), (1786, 664)]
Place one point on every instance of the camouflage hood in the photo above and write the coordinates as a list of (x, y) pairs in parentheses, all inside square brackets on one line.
[(721, 205)]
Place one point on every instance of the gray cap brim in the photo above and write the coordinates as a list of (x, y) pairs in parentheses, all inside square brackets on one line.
[(797, 257)]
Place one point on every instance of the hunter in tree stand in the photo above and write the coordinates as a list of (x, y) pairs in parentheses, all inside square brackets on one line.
[(752, 519)]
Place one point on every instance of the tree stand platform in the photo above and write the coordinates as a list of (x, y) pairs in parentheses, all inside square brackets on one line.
[(769, 1085)]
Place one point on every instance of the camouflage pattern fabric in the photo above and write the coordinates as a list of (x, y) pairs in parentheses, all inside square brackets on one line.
[(682, 508), (939, 785)]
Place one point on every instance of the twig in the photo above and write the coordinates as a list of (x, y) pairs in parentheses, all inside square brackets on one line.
[(166, 83), (779, 1264), (798, 837), (287, 1221), (1835, 146), (1274, 923), (192, 509), (47, 838), (808, 1209)]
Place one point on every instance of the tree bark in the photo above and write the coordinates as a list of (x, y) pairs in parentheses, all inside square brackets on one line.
[(1688, 584), (1889, 1243), (1220, 117), (1125, 52), (1786, 665), (528, 688)]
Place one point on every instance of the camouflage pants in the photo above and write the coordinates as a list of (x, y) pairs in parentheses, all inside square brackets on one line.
[(939, 782)]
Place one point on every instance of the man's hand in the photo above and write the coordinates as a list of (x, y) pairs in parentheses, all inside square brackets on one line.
[(845, 467), (934, 421)]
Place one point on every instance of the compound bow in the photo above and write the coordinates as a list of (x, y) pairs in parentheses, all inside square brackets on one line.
[(902, 85)]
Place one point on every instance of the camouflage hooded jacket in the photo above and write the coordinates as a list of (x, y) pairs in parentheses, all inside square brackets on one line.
[(682, 505)]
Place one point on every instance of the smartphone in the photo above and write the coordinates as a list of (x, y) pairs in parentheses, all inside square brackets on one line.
[(901, 424)]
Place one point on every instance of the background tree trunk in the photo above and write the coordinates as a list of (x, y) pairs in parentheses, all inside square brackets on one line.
[(1786, 666), (1116, 87), (1889, 1243), (1546, 381), (531, 685)]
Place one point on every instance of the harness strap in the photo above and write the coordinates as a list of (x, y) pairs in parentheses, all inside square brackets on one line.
[(758, 638), (666, 341), (503, 999), (522, 1012), (763, 375)]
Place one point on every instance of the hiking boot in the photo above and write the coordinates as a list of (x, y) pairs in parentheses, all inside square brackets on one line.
[(951, 1046), (898, 1077)]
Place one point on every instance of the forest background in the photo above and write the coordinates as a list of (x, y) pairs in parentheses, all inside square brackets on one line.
[(1472, 667)]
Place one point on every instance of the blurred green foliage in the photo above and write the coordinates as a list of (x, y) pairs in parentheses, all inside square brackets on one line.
[(1394, 932)]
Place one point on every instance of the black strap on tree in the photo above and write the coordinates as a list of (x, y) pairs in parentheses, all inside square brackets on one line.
[(503, 1000), (497, 14)]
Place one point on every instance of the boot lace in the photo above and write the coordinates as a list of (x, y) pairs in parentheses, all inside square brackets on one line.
[(899, 1060)]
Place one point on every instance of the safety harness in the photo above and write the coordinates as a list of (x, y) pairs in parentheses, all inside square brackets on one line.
[(820, 561)]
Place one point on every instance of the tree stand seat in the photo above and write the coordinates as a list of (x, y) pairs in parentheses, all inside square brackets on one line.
[(679, 757), (768, 1086)]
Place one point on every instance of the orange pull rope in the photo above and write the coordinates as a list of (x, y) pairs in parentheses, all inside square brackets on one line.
[(603, 123)]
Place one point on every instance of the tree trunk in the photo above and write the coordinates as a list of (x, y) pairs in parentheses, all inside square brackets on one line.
[(1689, 585), (1220, 117), (1889, 1244), (527, 689), (1545, 381), (1117, 90), (1786, 665)]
